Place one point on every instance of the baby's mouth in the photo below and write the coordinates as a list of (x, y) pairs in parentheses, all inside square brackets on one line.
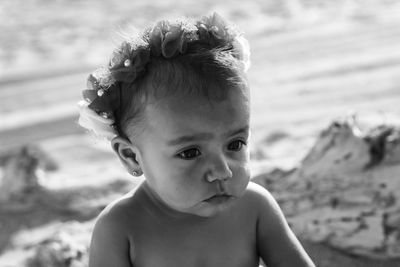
[(219, 198)]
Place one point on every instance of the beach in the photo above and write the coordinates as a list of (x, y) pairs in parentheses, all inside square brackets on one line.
[(311, 64)]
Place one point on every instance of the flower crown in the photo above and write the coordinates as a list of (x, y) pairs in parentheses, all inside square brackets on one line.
[(128, 63)]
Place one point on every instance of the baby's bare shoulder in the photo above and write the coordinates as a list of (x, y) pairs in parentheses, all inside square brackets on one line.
[(257, 202), (277, 244), (110, 237), (119, 211), (258, 196)]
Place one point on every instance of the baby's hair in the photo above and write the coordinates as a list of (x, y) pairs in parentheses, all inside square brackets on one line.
[(206, 58), (204, 74)]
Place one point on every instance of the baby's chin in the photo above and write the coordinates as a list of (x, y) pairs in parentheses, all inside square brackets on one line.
[(212, 206)]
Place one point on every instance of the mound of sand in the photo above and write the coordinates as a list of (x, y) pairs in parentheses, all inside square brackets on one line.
[(346, 191)]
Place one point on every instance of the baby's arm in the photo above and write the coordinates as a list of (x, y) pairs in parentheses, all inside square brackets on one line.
[(110, 245), (277, 244)]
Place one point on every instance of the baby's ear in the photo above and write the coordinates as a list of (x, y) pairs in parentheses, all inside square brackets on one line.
[(127, 153)]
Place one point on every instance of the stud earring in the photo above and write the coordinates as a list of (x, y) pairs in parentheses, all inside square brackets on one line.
[(137, 173)]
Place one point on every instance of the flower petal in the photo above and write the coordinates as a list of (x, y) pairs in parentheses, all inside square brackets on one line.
[(172, 43), (242, 51), (101, 103), (100, 126), (156, 39)]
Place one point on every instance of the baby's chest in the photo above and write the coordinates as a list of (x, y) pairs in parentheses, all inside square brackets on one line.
[(196, 245)]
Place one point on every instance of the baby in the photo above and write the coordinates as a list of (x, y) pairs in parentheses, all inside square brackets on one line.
[(175, 104)]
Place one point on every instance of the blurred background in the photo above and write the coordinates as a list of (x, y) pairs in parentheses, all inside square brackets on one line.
[(312, 62)]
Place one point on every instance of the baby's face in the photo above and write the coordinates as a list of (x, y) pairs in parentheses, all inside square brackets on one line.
[(194, 153)]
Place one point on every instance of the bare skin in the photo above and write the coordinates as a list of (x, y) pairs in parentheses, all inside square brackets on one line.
[(196, 206), (251, 228)]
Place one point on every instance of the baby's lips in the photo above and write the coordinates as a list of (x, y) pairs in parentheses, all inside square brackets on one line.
[(219, 195)]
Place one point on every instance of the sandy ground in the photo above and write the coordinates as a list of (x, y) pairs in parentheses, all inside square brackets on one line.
[(311, 62)]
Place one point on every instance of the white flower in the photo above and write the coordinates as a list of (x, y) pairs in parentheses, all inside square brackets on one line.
[(241, 45), (100, 126)]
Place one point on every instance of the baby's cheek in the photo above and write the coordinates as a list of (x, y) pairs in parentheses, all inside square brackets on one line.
[(189, 184), (243, 172), (241, 163), (241, 177)]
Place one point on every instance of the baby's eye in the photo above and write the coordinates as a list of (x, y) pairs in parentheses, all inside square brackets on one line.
[(189, 153), (236, 145)]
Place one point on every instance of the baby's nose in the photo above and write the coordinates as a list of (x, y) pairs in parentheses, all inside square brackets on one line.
[(219, 170)]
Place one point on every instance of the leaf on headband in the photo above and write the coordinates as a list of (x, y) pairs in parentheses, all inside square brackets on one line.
[(89, 95), (92, 86), (108, 102), (101, 104), (92, 83)]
